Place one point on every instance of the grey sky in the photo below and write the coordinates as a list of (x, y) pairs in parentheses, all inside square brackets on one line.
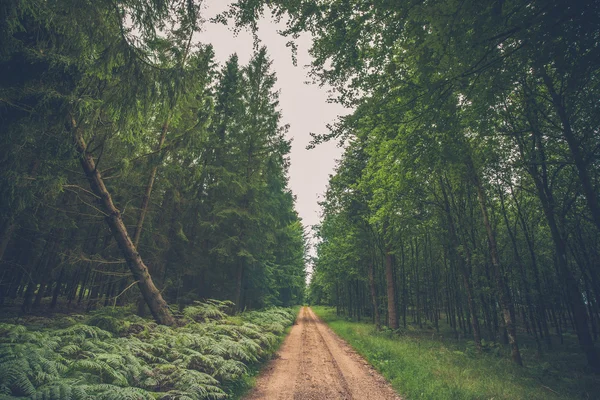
[(303, 106)]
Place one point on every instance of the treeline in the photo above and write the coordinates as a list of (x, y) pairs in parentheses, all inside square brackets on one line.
[(468, 193), (133, 166)]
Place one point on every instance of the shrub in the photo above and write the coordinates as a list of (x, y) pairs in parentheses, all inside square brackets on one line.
[(90, 360)]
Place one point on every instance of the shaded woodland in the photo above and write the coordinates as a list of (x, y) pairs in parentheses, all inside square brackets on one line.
[(468, 193), (134, 168)]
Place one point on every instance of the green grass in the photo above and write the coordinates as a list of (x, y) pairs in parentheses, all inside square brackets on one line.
[(421, 364)]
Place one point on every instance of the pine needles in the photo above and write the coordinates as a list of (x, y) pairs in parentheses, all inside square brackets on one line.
[(105, 358)]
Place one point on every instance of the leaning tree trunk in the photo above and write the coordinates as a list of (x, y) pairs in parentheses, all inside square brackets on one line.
[(137, 233), (158, 306)]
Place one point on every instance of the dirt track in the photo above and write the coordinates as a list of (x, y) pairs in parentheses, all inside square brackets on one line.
[(314, 363)]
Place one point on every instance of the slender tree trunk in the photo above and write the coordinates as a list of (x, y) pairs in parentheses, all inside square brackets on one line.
[(5, 235), (404, 289), (523, 275), (391, 290), (418, 283), (541, 300), (578, 158), (146, 199), (505, 300), (158, 306), (454, 244), (239, 278), (371, 272), (573, 294), (57, 288)]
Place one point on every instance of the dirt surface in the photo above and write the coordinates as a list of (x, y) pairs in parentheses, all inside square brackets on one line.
[(314, 363)]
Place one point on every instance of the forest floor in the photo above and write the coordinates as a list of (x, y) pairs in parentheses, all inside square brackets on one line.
[(314, 363)]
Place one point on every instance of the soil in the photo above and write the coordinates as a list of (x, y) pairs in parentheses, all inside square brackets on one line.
[(314, 363)]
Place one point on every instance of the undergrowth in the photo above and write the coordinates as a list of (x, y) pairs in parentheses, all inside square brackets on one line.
[(114, 355), (421, 365)]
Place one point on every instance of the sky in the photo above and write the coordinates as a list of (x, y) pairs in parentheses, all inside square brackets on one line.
[(303, 106)]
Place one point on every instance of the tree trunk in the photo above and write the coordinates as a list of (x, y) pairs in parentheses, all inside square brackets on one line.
[(574, 147), (238, 285), (57, 288), (374, 295), (391, 290), (573, 294), (454, 245), (541, 300), (146, 199), (525, 281), (505, 300), (158, 306), (7, 231)]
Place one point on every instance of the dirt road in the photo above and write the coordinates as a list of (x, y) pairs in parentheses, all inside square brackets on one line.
[(314, 363)]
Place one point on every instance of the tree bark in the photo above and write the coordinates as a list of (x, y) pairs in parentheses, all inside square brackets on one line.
[(574, 147), (146, 199), (391, 290), (158, 306), (389, 276), (530, 308), (239, 278), (505, 299), (5, 236), (463, 270), (574, 295), (540, 300), (371, 269)]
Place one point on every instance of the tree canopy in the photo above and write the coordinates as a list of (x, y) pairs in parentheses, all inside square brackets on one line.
[(130, 158)]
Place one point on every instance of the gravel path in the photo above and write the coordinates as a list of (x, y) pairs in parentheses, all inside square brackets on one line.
[(314, 363)]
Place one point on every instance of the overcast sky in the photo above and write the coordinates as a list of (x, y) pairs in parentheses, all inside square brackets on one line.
[(303, 106)]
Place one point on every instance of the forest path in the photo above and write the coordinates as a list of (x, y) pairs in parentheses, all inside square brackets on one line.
[(314, 363)]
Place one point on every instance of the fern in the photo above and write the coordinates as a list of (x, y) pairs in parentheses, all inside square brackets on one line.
[(208, 310), (85, 361)]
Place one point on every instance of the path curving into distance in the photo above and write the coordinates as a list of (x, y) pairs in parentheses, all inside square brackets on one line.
[(313, 363)]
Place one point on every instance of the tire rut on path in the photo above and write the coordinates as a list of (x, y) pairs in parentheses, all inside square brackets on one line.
[(314, 363)]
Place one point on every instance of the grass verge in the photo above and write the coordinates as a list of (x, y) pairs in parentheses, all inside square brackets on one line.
[(422, 365)]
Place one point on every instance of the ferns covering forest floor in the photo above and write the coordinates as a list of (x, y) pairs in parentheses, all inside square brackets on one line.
[(421, 364), (112, 354)]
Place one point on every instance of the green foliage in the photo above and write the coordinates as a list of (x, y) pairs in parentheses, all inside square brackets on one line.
[(208, 310), (163, 122), (83, 361), (422, 366)]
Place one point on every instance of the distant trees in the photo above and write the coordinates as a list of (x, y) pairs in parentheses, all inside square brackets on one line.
[(472, 155), (122, 141)]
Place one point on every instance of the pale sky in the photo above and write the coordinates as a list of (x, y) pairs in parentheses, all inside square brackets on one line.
[(303, 106)]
